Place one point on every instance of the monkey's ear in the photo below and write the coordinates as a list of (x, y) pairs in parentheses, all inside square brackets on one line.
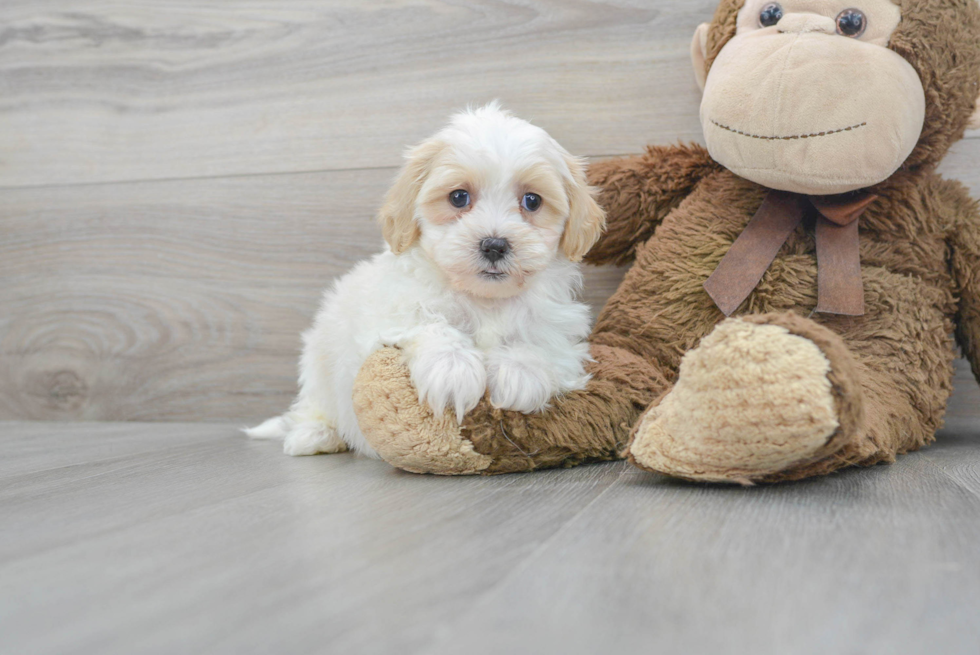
[(397, 215), (699, 54), (586, 219), (974, 123)]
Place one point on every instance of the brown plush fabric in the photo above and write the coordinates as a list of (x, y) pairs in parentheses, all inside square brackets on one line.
[(407, 434), (603, 414), (722, 29), (639, 192), (901, 347), (674, 213), (961, 217), (941, 39)]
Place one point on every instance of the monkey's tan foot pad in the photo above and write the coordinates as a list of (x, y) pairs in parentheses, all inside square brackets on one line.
[(405, 432), (753, 402)]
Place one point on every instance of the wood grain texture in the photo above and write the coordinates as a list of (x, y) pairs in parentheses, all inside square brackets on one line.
[(177, 300), (182, 296), (155, 89), (861, 562), (184, 538), (185, 299), (293, 537)]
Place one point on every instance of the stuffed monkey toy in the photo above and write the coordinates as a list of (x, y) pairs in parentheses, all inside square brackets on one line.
[(797, 288)]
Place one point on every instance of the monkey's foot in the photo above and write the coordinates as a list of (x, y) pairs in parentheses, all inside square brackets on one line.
[(761, 399), (404, 432)]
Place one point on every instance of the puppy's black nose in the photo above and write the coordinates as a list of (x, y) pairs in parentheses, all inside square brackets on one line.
[(494, 249)]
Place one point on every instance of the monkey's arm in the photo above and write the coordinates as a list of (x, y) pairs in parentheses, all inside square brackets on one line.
[(965, 261), (638, 192)]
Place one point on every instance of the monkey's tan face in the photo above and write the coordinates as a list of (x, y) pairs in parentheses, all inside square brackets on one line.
[(808, 98)]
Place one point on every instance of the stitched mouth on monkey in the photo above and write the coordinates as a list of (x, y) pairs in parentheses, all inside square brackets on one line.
[(811, 135)]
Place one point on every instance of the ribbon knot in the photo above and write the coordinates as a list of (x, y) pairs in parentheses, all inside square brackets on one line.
[(839, 286)]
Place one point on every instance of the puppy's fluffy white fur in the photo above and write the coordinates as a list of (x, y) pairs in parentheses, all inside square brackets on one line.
[(467, 318)]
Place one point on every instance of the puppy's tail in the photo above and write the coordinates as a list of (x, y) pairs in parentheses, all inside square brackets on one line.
[(274, 428)]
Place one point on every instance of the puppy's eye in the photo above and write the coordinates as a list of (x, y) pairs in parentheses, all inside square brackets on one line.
[(531, 202), (851, 22), (459, 198), (771, 14)]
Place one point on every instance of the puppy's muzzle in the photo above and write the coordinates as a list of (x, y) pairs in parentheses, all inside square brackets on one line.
[(493, 249)]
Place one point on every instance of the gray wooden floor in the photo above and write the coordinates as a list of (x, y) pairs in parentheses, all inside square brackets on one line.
[(188, 538), (178, 183)]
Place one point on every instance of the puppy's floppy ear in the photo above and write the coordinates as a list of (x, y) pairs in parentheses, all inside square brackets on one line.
[(586, 219), (397, 215)]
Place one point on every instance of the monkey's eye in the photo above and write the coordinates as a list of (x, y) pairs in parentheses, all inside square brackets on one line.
[(459, 198), (851, 22), (771, 14), (531, 202)]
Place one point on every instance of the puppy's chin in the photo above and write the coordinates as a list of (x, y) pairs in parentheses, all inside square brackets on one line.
[(490, 284)]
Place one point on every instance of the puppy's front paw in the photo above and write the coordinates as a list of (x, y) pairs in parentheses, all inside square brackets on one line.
[(519, 386), (450, 377)]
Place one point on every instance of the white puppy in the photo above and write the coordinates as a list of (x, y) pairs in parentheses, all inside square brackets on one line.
[(478, 286)]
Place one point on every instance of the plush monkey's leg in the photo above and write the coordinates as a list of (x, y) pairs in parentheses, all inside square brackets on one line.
[(763, 398), (589, 425), (406, 433), (779, 397)]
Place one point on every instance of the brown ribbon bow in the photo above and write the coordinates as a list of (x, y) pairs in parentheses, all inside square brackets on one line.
[(839, 286)]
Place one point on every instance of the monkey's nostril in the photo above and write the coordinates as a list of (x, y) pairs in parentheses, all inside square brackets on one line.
[(494, 249)]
